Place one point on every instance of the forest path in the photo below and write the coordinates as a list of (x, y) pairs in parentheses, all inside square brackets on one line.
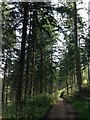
[(60, 111)]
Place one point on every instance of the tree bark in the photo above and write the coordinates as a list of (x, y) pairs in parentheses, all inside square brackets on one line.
[(67, 86), (89, 69), (28, 59), (41, 69), (33, 50), (51, 74), (22, 56), (77, 52), (4, 83)]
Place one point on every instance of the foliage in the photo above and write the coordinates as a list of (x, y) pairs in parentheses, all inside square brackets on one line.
[(86, 91), (81, 104), (31, 108), (82, 107)]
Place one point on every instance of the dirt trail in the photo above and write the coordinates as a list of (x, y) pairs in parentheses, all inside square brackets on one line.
[(61, 110)]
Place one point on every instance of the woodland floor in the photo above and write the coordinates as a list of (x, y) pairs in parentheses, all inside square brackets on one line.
[(61, 111)]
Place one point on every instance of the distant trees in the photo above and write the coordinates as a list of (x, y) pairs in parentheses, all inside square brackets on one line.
[(8, 42), (74, 59)]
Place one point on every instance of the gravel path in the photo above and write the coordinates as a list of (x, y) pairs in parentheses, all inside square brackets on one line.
[(60, 111)]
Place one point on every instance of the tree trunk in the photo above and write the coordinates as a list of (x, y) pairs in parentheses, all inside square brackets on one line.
[(28, 61), (26, 74), (41, 69), (33, 50), (51, 75), (22, 56), (4, 83), (77, 52), (89, 70), (67, 86)]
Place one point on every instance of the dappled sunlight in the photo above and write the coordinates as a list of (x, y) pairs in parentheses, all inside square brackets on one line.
[(85, 82)]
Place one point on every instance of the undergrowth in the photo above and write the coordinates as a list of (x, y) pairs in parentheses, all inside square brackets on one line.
[(81, 104), (31, 108)]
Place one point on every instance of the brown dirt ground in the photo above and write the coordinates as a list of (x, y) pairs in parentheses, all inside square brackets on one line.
[(60, 111)]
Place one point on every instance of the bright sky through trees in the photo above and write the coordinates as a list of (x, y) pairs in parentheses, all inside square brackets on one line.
[(83, 12)]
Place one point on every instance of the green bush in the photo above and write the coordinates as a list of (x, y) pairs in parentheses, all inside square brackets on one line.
[(81, 106), (86, 91), (9, 111), (31, 108)]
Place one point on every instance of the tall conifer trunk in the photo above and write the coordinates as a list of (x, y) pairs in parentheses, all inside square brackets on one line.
[(77, 52), (22, 55)]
